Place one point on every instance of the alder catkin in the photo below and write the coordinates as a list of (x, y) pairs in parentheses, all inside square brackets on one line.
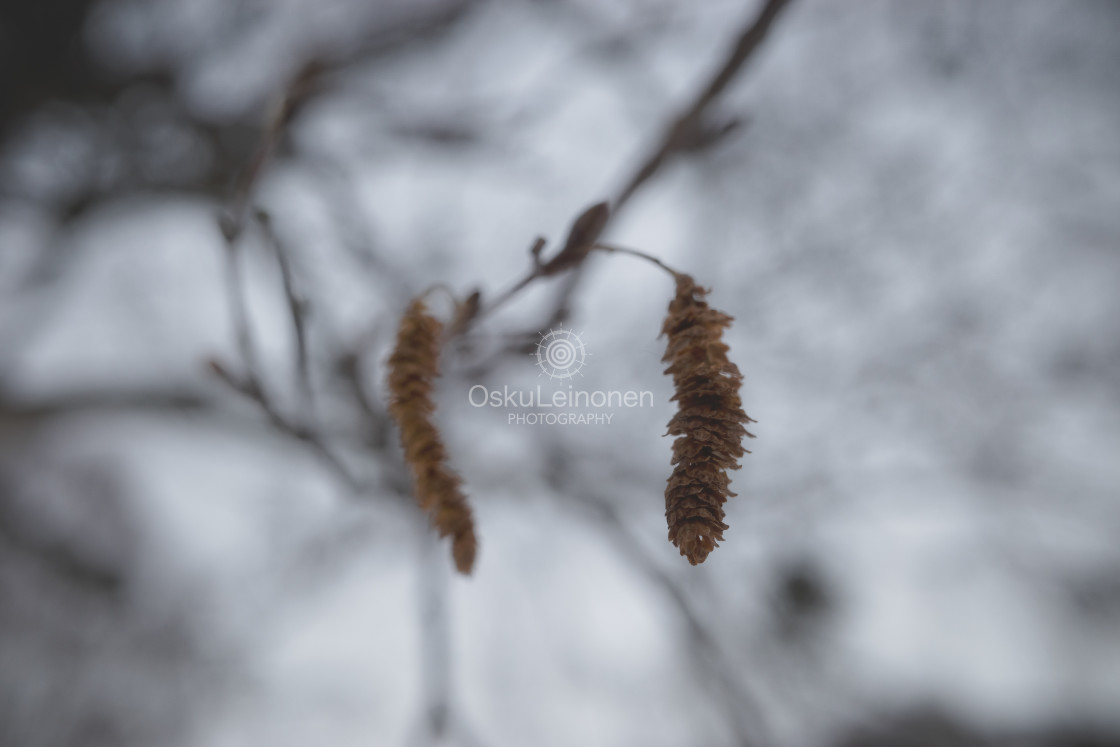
[(413, 366), (709, 422)]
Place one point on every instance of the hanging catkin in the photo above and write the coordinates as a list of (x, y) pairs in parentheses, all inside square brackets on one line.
[(709, 422), (412, 367)]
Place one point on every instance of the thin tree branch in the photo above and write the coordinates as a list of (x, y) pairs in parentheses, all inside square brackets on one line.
[(251, 387), (745, 715), (351, 370), (678, 135), (612, 249), (297, 310), (355, 231), (162, 400), (435, 643), (682, 134), (252, 384)]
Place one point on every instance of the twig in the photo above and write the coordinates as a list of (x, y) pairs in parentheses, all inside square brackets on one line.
[(680, 136), (440, 721), (503, 298), (252, 384), (583, 234), (351, 369), (307, 82), (251, 388), (232, 225), (355, 229), (174, 400), (302, 86), (297, 310), (239, 310), (612, 249), (435, 642), (745, 715)]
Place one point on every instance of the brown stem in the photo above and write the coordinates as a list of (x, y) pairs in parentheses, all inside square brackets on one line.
[(686, 123), (612, 249), (681, 132)]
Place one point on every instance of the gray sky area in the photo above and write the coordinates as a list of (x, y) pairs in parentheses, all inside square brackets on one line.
[(213, 214)]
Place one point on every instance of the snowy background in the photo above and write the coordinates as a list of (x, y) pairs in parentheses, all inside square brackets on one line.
[(914, 226)]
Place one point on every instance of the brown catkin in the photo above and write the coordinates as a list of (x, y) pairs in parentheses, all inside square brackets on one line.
[(710, 422), (412, 367)]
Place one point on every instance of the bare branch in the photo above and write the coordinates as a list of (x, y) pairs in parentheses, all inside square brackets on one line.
[(251, 387), (252, 384), (612, 249), (684, 134), (168, 400), (681, 133), (435, 643), (744, 714), (297, 309)]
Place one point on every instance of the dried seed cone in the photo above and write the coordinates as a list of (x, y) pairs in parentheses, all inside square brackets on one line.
[(710, 422), (412, 367)]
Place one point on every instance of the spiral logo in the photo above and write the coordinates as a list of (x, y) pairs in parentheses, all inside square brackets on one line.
[(560, 354)]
